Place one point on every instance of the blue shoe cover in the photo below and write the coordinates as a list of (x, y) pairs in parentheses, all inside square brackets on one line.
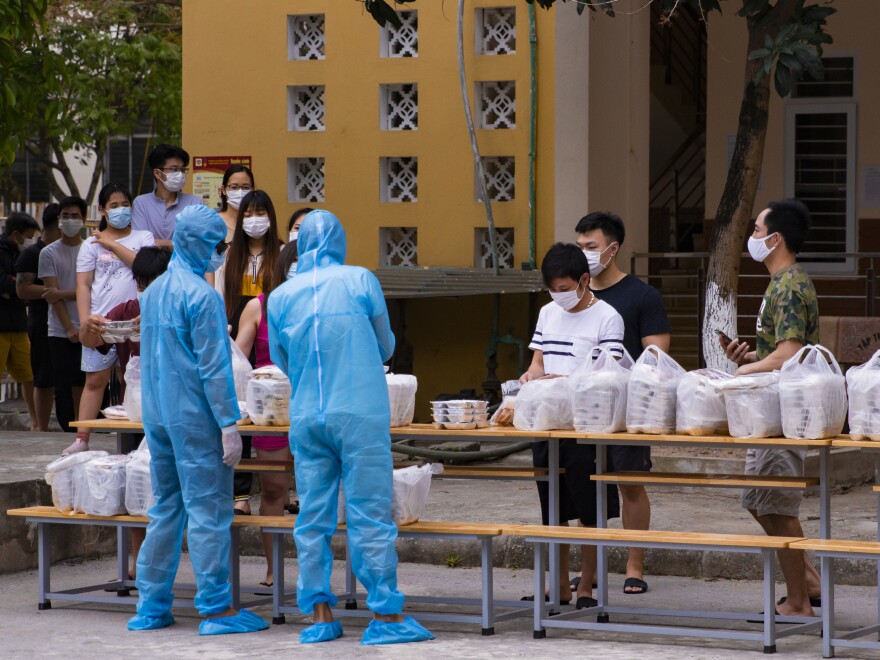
[(408, 630), (144, 622), (243, 622), (321, 632)]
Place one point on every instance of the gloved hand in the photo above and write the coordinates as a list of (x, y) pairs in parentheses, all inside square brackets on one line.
[(231, 445)]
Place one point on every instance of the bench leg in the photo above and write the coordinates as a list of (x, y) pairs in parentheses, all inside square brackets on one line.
[(539, 631), (824, 493), (553, 518), (488, 615), (122, 540), (44, 561), (827, 568), (234, 568), (350, 581), (769, 557), (277, 578)]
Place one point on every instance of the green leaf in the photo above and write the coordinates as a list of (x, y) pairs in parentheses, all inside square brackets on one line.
[(760, 53), (784, 80)]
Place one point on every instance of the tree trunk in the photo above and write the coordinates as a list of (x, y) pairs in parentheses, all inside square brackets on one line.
[(734, 216), (99, 151)]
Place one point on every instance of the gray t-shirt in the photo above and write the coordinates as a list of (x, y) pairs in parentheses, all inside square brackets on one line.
[(60, 262)]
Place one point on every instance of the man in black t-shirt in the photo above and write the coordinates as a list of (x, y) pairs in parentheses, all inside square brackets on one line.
[(600, 236)]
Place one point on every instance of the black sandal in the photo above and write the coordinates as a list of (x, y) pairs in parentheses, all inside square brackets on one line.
[(814, 602), (635, 583), (531, 599), (575, 581), (292, 508), (586, 602)]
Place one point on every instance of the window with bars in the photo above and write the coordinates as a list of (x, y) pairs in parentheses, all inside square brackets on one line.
[(839, 80), (305, 37), (496, 101), (399, 106), (305, 108), (401, 41), (400, 179), (496, 30), (500, 178), (305, 179), (483, 247), (399, 246)]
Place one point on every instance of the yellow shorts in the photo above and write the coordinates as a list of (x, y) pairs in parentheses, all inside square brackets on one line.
[(15, 356)]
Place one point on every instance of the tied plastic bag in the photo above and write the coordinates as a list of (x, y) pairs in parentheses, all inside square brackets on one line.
[(268, 397), (410, 493), (752, 404), (503, 415), (132, 401), (138, 487), (863, 384), (598, 388), (544, 405), (699, 406), (402, 396), (105, 491), (241, 371), (67, 478), (650, 399), (812, 394)]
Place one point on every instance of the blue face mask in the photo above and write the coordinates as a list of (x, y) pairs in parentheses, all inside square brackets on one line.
[(292, 271), (120, 217), (215, 262)]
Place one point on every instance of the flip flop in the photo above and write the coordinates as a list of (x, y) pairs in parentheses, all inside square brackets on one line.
[(635, 583), (239, 512), (814, 602), (782, 623), (586, 602), (292, 508), (531, 599), (575, 581)]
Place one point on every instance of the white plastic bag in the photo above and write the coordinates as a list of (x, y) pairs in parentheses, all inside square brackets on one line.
[(402, 395), (138, 487), (699, 404), (598, 389), (241, 371), (105, 491), (650, 399), (752, 404), (67, 477), (268, 397), (503, 416), (863, 385), (812, 394), (410, 493), (544, 405), (132, 401)]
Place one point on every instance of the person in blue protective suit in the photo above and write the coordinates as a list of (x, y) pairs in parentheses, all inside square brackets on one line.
[(329, 332), (189, 412)]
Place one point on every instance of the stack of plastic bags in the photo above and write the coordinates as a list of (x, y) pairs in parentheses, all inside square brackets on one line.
[(410, 492), (863, 384), (812, 395), (268, 397), (138, 487), (598, 392), (241, 371), (650, 405), (402, 396), (67, 477), (700, 407), (544, 405), (132, 401), (105, 481), (503, 416), (752, 404)]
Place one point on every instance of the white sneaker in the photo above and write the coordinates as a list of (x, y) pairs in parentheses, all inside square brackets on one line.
[(78, 445)]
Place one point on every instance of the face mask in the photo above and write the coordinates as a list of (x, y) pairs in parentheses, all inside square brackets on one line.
[(292, 271), (594, 259), (70, 228), (567, 299), (120, 217), (215, 262), (256, 226), (758, 248), (174, 181), (26, 243), (293, 236), (234, 197)]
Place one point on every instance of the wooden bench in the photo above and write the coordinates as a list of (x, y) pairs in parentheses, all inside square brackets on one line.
[(765, 546), (500, 472), (706, 479), (828, 550)]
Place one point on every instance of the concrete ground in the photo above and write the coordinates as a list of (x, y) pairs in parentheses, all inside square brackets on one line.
[(80, 630)]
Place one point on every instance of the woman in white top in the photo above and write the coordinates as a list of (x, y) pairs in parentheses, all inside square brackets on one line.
[(103, 281)]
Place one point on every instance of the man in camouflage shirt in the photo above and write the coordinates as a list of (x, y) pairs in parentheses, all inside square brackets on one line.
[(787, 321)]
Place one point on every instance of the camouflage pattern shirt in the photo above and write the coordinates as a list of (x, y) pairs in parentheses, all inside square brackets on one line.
[(789, 311)]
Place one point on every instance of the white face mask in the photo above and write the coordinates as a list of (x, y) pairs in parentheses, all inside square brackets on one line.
[(70, 227), (256, 226), (174, 181), (292, 271), (567, 299), (28, 242), (234, 197), (758, 248), (293, 235), (594, 259)]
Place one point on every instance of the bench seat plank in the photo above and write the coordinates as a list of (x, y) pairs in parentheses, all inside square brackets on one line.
[(52, 512), (838, 545), (705, 479), (651, 536)]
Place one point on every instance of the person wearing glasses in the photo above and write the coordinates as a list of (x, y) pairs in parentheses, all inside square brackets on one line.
[(156, 211), (238, 181)]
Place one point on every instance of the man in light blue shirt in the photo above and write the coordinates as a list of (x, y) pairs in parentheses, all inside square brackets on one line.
[(155, 212)]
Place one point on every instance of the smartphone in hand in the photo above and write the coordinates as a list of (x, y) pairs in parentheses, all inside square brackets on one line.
[(725, 340)]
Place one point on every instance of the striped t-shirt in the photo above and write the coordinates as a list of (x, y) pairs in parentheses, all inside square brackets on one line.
[(566, 338)]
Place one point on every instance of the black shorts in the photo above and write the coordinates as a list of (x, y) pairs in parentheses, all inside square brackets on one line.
[(67, 362), (41, 362), (577, 494), (628, 458)]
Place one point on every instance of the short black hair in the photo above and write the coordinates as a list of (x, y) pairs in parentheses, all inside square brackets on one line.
[(78, 202), (791, 218), (149, 263), (50, 216), (610, 224), (162, 152), (296, 215), (20, 222), (564, 260)]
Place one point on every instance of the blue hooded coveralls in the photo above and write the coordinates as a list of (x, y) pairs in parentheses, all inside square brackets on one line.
[(329, 332), (188, 396)]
